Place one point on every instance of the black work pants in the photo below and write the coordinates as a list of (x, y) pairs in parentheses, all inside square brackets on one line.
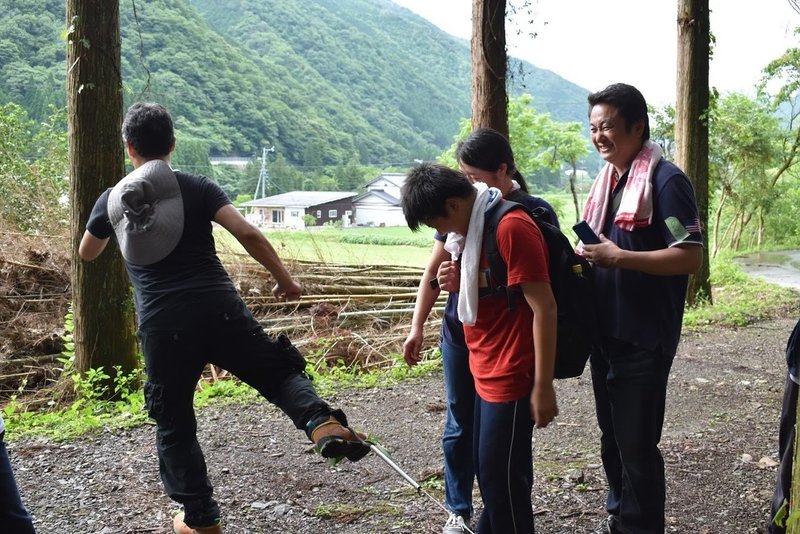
[(174, 359), (630, 390)]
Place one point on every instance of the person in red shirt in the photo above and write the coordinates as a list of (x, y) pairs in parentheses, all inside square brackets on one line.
[(512, 352)]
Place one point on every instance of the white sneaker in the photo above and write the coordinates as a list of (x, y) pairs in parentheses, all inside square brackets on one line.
[(455, 525)]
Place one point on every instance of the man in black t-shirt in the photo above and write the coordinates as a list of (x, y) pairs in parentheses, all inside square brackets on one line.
[(190, 314)]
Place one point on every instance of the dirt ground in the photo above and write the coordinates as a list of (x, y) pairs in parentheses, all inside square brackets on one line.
[(719, 444)]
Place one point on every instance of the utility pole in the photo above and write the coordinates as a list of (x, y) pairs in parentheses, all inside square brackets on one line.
[(263, 176)]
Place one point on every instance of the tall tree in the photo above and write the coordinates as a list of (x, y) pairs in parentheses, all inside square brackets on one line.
[(745, 133), (691, 120), (102, 303), (489, 60), (569, 147)]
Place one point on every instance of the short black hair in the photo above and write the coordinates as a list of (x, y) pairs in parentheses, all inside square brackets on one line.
[(630, 104), (426, 190), (486, 149), (148, 128)]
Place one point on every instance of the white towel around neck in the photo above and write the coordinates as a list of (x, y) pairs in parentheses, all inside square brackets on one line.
[(469, 249)]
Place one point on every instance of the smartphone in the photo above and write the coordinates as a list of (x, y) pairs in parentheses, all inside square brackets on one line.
[(585, 233)]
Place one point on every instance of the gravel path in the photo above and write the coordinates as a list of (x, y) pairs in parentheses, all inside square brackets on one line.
[(720, 447)]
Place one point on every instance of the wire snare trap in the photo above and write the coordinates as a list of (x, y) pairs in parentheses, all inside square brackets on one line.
[(383, 455)]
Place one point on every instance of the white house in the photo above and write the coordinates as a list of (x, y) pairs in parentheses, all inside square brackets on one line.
[(380, 205), (288, 209)]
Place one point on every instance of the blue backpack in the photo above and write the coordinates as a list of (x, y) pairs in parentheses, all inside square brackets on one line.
[(570, 279)]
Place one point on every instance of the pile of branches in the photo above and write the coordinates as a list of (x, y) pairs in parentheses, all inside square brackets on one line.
[(35, 294), (350, 315)]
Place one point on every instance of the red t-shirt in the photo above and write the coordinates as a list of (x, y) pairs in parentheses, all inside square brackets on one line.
[(501, 352)]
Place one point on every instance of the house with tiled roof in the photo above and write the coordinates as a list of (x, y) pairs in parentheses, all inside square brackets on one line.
[(288, 210), (380, 204)]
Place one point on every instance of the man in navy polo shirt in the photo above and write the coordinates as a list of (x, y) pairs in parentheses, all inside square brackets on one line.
[(644, 210)]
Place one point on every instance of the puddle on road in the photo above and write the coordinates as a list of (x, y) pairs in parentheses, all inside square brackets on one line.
[(782, 267)]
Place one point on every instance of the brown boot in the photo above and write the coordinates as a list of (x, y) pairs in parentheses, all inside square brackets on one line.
[(179, 527), (333, 440)]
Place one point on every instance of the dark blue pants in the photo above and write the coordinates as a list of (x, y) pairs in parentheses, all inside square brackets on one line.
[(504, 465), (13, 515), (630, 391), (459, 473), (786, 431), (174, 360)]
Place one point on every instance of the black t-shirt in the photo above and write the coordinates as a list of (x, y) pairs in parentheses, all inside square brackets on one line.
[(165, 292)]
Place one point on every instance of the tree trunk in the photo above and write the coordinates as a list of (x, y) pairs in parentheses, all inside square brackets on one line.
[(717, 219), (736, 239), (102, 304), (489, 97), (691, 121), (572, 187)]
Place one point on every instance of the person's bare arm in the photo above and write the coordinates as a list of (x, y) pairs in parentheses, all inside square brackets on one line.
[(90, 246), (539, 297), (426, 298), (260, 249), (680, 259)]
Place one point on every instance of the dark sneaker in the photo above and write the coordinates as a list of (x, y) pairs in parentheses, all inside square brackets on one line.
[(179, 527)]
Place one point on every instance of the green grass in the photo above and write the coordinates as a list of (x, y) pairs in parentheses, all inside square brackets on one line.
[(85, 417), (360, 246), (739, 300), (396, 245)]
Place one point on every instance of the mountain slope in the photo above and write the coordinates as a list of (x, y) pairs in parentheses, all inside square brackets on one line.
[(325, 81)]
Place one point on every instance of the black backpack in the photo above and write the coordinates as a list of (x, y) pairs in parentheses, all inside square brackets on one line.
[(570, 279)]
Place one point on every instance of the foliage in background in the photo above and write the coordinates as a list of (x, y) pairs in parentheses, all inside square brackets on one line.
[(743, 134), (542, 146), (739, 300), (327, 83), (782, 230), (33, 170)]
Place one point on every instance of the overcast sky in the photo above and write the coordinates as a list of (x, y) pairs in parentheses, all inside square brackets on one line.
[(594, 43)]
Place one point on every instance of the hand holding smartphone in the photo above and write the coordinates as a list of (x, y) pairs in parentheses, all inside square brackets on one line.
[(585, 233)]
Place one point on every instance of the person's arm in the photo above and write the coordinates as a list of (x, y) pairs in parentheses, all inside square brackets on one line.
[(543, 405), (260, 249), (90, 246), (680, 259), (426, 298)]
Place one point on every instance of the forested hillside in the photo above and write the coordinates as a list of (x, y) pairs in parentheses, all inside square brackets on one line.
[(327, 82)]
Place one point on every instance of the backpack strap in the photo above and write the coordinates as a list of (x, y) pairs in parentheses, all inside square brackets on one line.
[(498, 270)]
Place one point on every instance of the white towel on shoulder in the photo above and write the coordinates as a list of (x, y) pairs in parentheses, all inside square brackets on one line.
[(469, 248)]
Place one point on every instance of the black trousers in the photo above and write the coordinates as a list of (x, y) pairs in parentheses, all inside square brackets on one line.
[(174, 360), (783, 480), (13, 515), (630, 391)]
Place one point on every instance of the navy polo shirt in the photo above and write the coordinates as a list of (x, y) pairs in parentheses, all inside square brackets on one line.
[(644, 309), (452, 328)]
